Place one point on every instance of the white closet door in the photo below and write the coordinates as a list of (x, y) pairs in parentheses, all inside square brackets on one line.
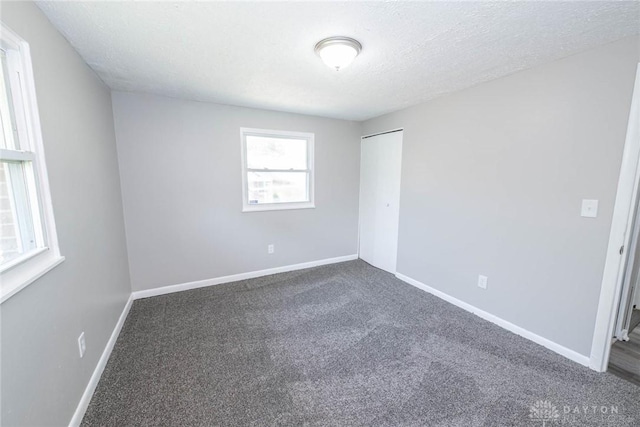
[(380, 166)]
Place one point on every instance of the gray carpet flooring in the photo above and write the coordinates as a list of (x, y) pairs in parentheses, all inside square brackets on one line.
[(339, 345)]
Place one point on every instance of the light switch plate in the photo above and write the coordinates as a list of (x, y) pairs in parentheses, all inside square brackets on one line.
[(589, 208), (482, 281)]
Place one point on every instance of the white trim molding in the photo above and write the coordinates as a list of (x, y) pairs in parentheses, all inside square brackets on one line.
[(20, 276), (162, 290), (619, 237), (97, 372), (381, 133), (553, 346), (45, 255)]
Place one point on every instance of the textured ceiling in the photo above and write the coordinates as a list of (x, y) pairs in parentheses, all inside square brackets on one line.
[(260, 54)]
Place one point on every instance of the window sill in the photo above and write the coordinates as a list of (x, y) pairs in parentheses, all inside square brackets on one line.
[(20, 276), (278, 207)]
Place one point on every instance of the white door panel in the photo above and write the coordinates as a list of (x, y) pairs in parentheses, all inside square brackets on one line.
[(380, 167)]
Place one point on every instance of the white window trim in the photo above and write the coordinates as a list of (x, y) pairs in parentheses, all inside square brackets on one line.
[(17, 274), (310, 137)]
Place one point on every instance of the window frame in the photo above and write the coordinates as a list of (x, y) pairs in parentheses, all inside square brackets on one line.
[(16, 274), (309, 137)]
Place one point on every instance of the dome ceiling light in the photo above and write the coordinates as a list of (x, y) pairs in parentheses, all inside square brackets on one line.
[(338, 52)]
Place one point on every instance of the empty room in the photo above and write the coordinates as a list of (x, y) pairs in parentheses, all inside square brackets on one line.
[(320, 213)]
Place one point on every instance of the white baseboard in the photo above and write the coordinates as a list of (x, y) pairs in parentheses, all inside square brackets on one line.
[(236, 277), (97, 372), (553, 346)]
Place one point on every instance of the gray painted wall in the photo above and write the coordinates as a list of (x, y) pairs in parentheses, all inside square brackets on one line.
[(43, 376), (181, 179), (492, 182)]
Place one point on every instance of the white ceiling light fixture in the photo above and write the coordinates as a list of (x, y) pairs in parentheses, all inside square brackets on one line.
[(338, 52)]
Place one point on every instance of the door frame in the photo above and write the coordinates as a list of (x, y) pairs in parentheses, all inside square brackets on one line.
[(360, 176), (619, 237)]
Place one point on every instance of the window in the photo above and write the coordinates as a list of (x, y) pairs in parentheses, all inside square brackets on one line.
[(277, 170), (28, 244)]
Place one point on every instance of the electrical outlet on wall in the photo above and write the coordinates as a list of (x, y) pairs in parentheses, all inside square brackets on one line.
[(82, 346), (271, 249), (482, 281)]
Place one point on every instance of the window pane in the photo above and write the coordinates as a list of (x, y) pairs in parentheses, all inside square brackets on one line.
[(276, 153), (8, 128), (277, 187), (18, 236)]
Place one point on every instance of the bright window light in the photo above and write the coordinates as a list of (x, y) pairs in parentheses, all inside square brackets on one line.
[(277, 170), (28, 241)]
